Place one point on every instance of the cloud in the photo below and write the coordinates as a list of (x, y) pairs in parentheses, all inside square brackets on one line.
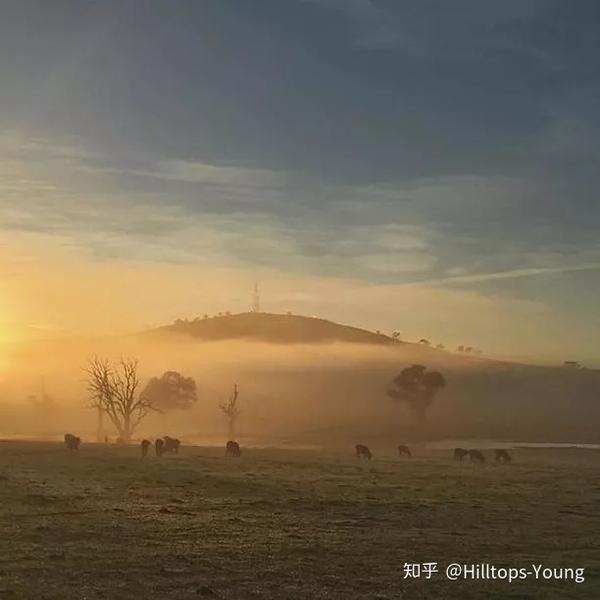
[(229, 215), (408, 28), (399, 262), (213, 175), (512, 274), (91, 204)]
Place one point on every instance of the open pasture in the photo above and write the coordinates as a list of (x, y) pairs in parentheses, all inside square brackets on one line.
[(101, 523)]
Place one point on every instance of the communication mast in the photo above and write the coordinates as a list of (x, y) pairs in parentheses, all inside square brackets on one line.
[(255, 300)]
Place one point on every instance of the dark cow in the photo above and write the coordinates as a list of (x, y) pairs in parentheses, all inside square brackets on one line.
[(460, 453), (363, 452), (171, 445), (404, 451), (476, 456), (232, 449), (145, 445), (503, 456), (159, 447), (72, 441)]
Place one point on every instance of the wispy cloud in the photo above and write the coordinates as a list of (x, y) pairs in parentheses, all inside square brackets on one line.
[(195, 212), (264, 222), (511, 274)]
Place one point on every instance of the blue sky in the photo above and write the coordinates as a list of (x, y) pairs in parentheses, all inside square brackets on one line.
[(446, 145)]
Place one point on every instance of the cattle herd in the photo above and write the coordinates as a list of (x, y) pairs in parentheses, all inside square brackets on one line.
[(477, 455), (171, 445), (501, 455)]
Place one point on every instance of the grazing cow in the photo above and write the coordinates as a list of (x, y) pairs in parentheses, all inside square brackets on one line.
[(476, 456), (232, 449), (159, 447), (460, 453), (363, 452), (503, 456), (145, 446), (171, 444), (404, 451), (72, 441)]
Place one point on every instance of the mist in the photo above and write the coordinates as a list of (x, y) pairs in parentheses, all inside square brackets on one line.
[(298, 394)]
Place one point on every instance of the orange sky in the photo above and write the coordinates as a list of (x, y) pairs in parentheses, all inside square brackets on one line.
[(51, 289)]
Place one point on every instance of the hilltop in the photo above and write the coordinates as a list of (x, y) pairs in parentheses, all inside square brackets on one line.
[(313, 381), (274, 328)]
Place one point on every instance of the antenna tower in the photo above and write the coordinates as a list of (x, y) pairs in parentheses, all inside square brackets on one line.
[(255, 299)]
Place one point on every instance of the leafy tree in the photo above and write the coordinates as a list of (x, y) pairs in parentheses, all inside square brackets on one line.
[(171, 391), (417, 387)]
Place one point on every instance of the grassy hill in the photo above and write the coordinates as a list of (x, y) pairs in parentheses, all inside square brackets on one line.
[(311, 381), (274, 328)]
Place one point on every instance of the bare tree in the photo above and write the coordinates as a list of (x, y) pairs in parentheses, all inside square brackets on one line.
[(42, 403), (113, 391), (231, 410)]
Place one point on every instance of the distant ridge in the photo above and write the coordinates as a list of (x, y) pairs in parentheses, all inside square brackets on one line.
[(274, 328)]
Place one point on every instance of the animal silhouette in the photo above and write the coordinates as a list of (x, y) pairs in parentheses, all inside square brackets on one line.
[(232, 449), (503, 456), (72, 441), (476, 456), (460, 453), (159, 446), (363, 452), (404, 451), (145, 445), (171, 445)]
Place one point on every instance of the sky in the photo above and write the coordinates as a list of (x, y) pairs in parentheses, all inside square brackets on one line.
[(430, 167)]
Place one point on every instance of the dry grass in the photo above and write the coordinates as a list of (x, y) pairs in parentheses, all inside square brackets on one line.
[(279, 524)]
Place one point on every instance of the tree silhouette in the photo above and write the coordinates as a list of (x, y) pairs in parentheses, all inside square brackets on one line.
[(417, 387), (43, 403), (231, 410), (113, 391), (170, 391)]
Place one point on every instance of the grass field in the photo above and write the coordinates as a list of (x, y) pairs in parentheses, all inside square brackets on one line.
[(279, 524)]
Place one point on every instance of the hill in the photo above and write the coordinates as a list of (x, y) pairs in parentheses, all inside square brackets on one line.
[(274, 328), (309, 381)]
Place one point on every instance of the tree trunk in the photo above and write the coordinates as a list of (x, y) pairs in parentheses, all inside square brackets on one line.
[(421, 406), (100, 429), (126, 433), (421, 413)]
